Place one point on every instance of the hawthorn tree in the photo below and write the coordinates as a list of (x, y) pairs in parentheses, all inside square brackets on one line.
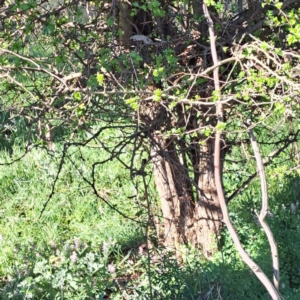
[(189, 83)]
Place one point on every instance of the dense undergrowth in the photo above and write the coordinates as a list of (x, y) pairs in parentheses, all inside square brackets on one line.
[(67, 232), (82, 248)]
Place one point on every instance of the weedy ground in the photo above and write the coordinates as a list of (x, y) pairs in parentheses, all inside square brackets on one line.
[(82, 248)]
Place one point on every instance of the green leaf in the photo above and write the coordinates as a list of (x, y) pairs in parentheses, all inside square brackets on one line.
[(216, 95), (100, 79), (210, 2), (77, 96), (50, 27), (280, 108), (158, 72), (133, 102), (24, 6), (264, 46), (291, 39), (157, 95), (221, 126)]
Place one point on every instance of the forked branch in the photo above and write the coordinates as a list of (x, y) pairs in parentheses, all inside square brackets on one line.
[(265, 207), (219, 110)]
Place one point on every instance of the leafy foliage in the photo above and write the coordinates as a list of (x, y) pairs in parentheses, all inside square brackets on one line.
[(83, 105)]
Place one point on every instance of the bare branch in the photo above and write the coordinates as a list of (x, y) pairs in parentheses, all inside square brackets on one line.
[(265, 208), (255, 268)]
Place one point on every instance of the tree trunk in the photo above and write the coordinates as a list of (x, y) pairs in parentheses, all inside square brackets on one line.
[(125, 23), (191, 215), (184, 178), (197, 15), (254, 10)]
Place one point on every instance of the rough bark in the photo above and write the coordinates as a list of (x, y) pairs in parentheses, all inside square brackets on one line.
[(192, 218), (125, 23), (254, 10), (184, 178)]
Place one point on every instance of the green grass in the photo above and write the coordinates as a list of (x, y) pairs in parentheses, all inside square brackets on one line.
[(71, 250), (73, 211)]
